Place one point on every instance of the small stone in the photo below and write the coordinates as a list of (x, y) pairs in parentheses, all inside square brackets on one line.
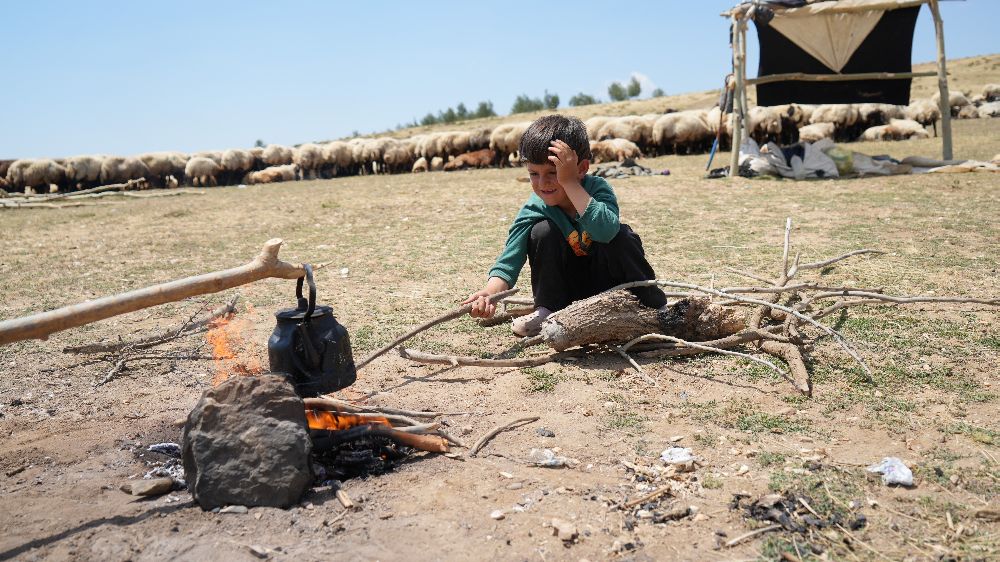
[(498, 514), (236, 509), (465, 429), (515, 486), (386, 515), (609, 405), (700, 517), (542, 432), (953, 479), (742, 470), (258, 551), (151, 487), (565, 530), (644, 514), (676, 438), (506, 475), (786, 411), (587, 413)]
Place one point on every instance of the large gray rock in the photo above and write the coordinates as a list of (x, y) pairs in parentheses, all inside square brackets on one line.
[(246, 442)]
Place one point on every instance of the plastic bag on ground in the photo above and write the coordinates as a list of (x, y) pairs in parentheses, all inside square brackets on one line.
[(893, 471)]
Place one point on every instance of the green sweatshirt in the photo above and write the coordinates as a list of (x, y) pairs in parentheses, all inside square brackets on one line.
[(598, 223)]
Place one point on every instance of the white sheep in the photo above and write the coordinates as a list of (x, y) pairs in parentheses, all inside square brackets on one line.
[(36, 175), (309, 158), (844, 117), (991, 92), (613, 150), (764, 124), (202, 171), (896, 129), (991, 109), (419, 166), (968, 112), (164, 164), (684, 131), (629, 127), (83, 172), (956, 101), (116, 169), (924, 111), (274, 174), (437, 164), (594, 125), (276, 155), (816, 131), (235, 164), (337, 155)]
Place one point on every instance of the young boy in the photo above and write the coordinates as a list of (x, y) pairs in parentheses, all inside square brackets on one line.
[(568, 230)]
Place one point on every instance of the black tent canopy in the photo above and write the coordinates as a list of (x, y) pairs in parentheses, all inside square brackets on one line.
[(832, 51)]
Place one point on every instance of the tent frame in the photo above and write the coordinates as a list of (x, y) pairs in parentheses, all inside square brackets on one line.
[(740, 16)]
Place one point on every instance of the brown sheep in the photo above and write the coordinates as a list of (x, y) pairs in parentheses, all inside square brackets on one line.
[(476, 159)]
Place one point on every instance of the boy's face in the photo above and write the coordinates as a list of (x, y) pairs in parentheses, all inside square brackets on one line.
[(545, 184)]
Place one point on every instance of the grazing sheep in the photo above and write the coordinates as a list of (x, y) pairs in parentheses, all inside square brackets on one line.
[(764, 124), (235, 165), (309, 158), (258, 157), (274, 174), (32, 176), (276, 155), (505, 140), (685, 131), (398, 156), (614, 150), (956, 101), (202, 171), (991, 109), (83, 172), (116, 169), (816, 131), (337, 155), (420, 165), (162, 165), (845, 119), (717, 121), (214, 155), (479, 138), (991, 92), (923, 111), (4, 166), (477, 159), (629, 127), (171, 182), (594, 125)]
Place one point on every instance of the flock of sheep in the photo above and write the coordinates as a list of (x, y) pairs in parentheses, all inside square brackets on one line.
[(612, 139)]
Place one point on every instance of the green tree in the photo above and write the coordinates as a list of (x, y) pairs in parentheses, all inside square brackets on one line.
[(658, 93), (524, 104), (447, 116), (485, 109), (634, 88), (260, 143), (428, 119), (551, 101), (582, 99), (617, 92), (461, 112)]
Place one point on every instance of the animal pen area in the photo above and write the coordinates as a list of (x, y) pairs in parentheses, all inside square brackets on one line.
[(842, 323)]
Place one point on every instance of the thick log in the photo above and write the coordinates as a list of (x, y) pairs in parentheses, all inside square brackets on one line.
[(616, 317), (40, 326)]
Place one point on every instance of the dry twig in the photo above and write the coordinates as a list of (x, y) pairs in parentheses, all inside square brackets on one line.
[(493, 433)]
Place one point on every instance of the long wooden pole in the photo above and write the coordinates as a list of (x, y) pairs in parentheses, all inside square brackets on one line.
[(736, 118), (805, 77), (41, 325), (942, 73)]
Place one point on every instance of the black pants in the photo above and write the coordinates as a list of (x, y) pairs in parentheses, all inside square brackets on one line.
[(559, 276)]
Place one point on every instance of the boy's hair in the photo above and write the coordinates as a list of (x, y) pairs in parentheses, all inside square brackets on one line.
[(537, 139)]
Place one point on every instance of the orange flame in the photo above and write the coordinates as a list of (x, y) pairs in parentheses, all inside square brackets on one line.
[(335, 421), (234, 354)]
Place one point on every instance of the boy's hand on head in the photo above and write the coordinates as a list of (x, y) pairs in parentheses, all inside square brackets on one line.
[(565, 160)]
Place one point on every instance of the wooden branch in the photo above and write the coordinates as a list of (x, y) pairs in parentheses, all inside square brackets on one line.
[(752, 534), (426, 325), (468, 361), (837, 336), (130, 184), (805, 77), (831, 261), (40, 326), (797, 287), (792, 355), (650, 496), (189, 327), (727, 342), (904, 299), (493, 433), (327, 402), (784, 251)]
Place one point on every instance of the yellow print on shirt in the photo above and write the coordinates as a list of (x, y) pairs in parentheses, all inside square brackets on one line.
[(574, 242)]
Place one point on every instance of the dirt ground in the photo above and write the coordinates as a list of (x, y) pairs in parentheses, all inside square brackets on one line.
[(406, 248)]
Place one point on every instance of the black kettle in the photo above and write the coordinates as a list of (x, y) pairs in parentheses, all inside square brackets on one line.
[(310, 347)]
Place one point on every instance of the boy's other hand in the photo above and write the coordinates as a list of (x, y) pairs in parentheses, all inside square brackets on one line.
[(481, 305), (565, 160)]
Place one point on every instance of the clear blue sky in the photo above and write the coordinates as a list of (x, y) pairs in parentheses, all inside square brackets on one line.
[(133, 76)]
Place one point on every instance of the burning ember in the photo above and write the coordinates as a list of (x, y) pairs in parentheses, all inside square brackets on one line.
[(233, 352), (335, 421)]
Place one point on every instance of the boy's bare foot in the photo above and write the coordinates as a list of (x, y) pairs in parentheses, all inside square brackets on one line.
[(530, 325)]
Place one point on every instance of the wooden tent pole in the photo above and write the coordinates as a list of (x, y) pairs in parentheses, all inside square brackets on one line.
[(744, 105), (736, 118), (39, 326), (805, 77), (942, 71)]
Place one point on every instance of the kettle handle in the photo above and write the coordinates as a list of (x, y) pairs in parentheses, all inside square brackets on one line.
[(312, 291)]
